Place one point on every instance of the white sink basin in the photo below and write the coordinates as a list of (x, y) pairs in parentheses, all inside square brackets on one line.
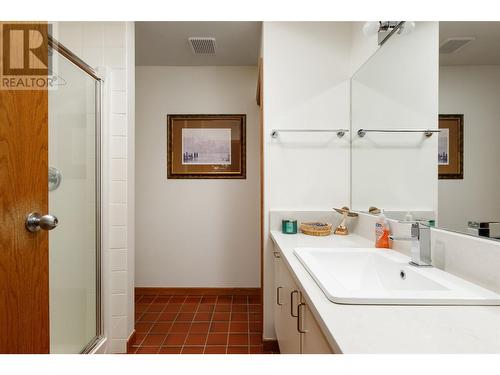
[(379, 277)]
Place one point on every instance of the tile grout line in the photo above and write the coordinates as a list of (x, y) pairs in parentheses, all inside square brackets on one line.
[(209, 325), (229, 324), (144, 312), (191, 323), (177, 316), (156, 321), (163, 310), (248, 325), (171, 322)]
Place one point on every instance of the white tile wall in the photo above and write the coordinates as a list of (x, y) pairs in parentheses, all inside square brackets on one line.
[(118, 169), (119, 125), (119, 304), (114, 57), (110, 46), (119, 326), (118, 191), (118, 214), (93, 34), (114, 36), (118, 260), (118, 237), (118, 79), (119, 102), (118, 147), (118, 282), (117, 345)]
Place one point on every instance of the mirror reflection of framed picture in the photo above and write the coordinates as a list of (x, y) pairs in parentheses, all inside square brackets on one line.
[(206, 146), (451, 147)]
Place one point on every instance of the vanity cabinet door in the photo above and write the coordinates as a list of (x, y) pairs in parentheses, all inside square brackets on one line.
[(312, 339), (285, 323), (278, 296)]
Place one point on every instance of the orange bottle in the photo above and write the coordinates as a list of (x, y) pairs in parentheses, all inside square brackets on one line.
[(382, 232)]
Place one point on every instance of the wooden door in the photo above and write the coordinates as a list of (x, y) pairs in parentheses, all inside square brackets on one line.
[(24, 277)]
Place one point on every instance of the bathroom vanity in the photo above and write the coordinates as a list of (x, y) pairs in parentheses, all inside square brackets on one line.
[(306, 321), (337, 294)]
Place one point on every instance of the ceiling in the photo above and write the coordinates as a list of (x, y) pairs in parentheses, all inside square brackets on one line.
[(484, 50), (166, 43)]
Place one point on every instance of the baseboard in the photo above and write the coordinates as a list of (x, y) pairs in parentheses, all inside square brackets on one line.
[(198, 291), (271, 346), (131, 341)]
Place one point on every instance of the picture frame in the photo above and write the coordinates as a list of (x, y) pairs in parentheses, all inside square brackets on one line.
[(451, 146), (206, 146)]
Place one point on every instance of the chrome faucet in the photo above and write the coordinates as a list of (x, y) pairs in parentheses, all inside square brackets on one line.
[(420, 244)]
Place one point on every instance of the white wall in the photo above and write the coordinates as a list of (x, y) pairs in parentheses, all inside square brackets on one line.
[(397, 88), (307, 66), (473, 91), (195, 233), (109, 47), (362, 46)]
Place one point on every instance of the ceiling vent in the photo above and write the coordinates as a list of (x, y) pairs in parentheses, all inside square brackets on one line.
[(452, 45), (202, 46)]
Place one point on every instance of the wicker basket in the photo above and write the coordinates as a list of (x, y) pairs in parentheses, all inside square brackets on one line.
[(316, 229)]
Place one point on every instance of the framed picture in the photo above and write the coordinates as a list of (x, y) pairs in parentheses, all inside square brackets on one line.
[(451, 147), (206, 146)]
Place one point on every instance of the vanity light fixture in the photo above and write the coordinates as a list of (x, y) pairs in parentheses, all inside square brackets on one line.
[(385, 29), (374, 27), (406, 28)]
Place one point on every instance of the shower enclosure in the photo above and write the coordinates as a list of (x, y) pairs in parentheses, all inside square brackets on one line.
[(75, 199)]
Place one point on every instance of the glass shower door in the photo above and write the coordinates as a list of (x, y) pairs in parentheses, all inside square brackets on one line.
[(74, 248)]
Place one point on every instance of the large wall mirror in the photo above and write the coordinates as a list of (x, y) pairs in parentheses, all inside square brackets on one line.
[(429, 101), (469, 93)]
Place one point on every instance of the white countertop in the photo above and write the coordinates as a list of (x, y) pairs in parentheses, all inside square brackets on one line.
[(390, 329)]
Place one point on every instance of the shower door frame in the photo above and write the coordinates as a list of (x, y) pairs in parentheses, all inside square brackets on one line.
[(54, 45)]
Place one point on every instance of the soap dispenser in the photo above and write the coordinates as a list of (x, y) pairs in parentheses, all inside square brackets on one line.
[(382, 232)]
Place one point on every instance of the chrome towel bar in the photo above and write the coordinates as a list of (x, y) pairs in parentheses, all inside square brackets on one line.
[(340, 132), (427, 132)]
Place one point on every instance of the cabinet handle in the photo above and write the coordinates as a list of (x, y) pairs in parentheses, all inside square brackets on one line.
[(278, 299), (300, 318), (291, 304), (276, 254)]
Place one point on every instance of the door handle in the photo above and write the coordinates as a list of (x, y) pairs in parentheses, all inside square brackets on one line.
[(291, 304), (300, 318), (278, 299), (35, 222)]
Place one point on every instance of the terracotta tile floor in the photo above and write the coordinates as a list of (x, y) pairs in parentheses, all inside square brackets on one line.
[(197, 324)]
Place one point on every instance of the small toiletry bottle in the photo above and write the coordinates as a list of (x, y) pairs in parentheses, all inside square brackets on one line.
[(289, 226), (408, 216), (382, 232)]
